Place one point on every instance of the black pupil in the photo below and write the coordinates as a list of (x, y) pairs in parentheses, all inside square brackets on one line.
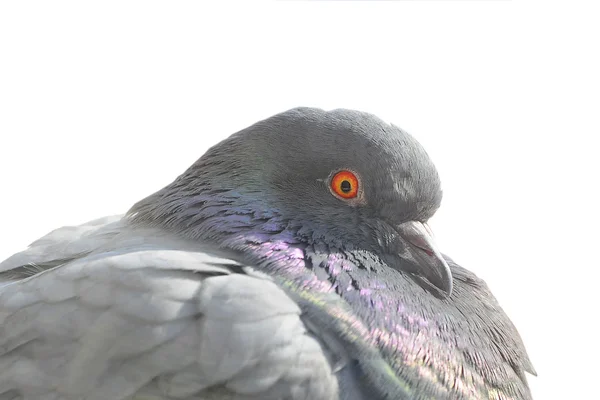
[(346, 186)]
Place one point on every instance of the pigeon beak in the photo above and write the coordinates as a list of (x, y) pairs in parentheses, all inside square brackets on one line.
[(423, 251)]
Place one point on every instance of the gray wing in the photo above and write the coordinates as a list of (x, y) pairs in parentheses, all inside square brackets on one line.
[(106, 312)]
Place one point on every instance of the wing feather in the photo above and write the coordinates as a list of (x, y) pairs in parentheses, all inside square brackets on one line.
[(105, 311)]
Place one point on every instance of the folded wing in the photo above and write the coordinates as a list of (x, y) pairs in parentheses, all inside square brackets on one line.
[(104, 311)]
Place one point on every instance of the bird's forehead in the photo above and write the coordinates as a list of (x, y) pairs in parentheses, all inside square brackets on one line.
[(343, 136)]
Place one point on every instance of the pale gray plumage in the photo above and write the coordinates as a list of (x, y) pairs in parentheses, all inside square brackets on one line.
[(123, 307), (246, 279)]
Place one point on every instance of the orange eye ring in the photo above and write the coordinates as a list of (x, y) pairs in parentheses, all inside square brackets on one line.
[(345, 184)]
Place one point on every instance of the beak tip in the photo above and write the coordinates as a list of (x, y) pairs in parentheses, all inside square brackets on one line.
[(447, 288), (443, 281)]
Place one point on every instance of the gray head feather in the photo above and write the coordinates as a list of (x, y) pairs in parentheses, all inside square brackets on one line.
[(282, 164)]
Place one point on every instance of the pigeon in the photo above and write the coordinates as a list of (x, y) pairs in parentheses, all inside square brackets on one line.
[(292, 261)]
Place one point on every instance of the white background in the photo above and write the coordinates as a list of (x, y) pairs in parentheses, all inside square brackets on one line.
[(103, 104)]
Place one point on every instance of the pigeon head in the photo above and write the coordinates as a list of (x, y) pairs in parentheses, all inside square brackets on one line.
[(342, 179)]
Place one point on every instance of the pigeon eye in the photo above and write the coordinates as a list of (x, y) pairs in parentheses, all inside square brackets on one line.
[(345, 184)]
